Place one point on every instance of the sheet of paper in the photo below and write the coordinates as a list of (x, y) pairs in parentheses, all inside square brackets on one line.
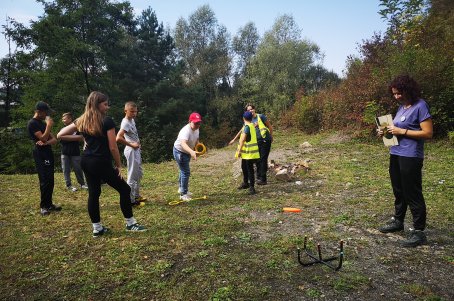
[(382, 122)]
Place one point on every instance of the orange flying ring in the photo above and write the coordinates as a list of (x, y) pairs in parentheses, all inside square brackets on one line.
[(200, 149)]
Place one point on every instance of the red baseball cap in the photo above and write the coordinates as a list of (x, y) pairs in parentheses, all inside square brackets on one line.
[(195, 117)]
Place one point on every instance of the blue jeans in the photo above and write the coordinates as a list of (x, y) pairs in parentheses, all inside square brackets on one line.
[(183, 160)]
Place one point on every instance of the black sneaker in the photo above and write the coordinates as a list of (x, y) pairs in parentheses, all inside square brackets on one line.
[(261, 182), (45, 211), (252, 190), (243, 186), (415, 238), (54, 207), (100, 232), (393, 225), (136, 228)]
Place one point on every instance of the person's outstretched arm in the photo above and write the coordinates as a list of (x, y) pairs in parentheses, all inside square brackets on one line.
[(67, 131), (236, 137)]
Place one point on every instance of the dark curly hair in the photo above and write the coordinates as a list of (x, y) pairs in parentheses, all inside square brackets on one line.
[(407, 86)]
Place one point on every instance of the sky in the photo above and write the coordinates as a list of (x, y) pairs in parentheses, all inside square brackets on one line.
[(336, 26)]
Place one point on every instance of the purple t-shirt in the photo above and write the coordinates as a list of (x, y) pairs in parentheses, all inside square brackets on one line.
[(410, 119)]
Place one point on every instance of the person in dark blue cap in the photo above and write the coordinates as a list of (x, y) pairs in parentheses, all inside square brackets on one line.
[(39, 129)]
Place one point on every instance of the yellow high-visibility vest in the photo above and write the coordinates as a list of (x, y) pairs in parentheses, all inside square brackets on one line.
[(250, 149), (262, 127)]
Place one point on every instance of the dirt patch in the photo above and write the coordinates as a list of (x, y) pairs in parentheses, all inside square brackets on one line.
[(336, 138)]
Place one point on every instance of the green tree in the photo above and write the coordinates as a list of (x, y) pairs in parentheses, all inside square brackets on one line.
[(245, 44), (84, 34), (317, 78), (403, 16), (83, 45), (203, 45), (10, 76), (73, 46), (147, 61), (279, 67)]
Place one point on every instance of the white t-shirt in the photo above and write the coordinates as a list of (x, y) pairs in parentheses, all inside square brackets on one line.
[(129, 126), (186, 133)]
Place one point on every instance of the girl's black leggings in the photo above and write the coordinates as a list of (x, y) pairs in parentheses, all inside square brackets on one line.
[(95, 170)]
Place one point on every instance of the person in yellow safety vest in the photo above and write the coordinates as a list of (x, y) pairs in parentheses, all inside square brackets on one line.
[(264, 131), (248, 151)]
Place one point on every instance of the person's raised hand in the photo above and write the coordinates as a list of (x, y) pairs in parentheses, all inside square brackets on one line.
[(49, 121)]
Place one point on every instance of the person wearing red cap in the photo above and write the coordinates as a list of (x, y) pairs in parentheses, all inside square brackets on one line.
[(183, 150)]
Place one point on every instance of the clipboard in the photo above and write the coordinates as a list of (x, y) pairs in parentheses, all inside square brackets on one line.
[(382, 122)]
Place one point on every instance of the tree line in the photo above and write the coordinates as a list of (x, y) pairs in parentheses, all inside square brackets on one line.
[(79, 46), (83, 45)]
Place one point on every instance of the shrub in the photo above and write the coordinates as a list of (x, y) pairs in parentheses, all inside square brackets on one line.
[(16, 152)]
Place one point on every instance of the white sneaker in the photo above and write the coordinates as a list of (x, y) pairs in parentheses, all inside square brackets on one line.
[(185, 197), (84, 186), (72, 188), (188, 193)]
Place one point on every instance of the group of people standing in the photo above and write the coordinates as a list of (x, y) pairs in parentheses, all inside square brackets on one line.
[(98, 132), (412, 125)]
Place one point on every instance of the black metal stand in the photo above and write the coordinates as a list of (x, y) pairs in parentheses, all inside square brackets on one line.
[(325, 261)]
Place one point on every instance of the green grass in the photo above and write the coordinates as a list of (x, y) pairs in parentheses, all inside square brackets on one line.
[(233, 246)]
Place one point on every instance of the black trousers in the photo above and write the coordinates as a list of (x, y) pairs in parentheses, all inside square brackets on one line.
[(247, 166), (406, 180), (262, 165), (44, 162), (97, 169)]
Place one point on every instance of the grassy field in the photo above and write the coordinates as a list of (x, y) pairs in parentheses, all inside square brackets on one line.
[(232, 246)]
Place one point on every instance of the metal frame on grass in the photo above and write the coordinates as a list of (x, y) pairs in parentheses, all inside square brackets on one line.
[(319, 259)]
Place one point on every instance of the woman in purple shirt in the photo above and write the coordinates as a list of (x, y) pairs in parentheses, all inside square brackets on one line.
[(412, 125)]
